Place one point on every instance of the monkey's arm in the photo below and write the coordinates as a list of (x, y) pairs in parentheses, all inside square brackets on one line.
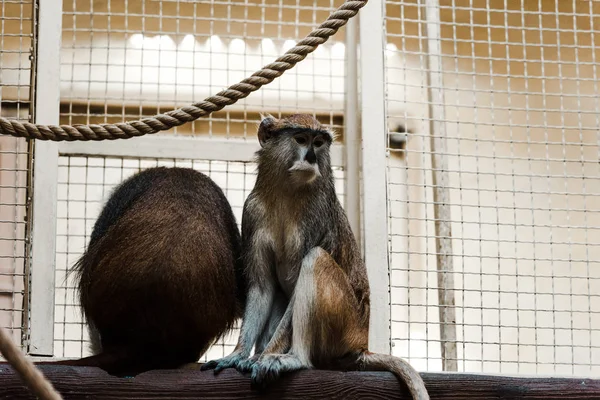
[(282, 338), (260, 300), (280, 342), (261, 295)]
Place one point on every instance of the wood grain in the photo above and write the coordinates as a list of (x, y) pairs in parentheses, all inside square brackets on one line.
[(190, 383)]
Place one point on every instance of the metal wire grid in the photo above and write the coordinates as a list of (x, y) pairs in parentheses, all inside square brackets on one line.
[(16, 44), (84, 185), (518, 111), (123, 60)]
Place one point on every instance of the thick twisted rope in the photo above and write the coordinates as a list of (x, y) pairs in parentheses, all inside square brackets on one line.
[(32, 377), (190, 113)]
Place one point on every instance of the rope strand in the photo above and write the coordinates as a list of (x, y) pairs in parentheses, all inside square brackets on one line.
[(224, 98), (32, 377)]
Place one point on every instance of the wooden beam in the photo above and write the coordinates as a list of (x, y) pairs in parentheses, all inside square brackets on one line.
[(374, 173), (442, 204), (92, 383), (45, 180)]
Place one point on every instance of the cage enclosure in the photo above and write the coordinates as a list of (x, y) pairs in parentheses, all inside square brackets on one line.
[(466, 159)]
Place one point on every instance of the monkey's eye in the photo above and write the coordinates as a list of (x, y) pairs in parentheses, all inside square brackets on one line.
[(300, 140), (318, 142)]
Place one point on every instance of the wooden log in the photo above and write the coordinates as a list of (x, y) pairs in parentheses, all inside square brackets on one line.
[(93, 383)]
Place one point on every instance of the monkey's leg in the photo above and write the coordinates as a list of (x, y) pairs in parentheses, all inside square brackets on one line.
[(280, 306), (280, 342), (260, 301), (324, 320)]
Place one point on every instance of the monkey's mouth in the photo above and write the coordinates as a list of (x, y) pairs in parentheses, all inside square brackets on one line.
[(305, 171)]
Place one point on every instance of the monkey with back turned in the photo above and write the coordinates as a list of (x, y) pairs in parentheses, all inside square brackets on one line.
[(307, 289), (160, 280)]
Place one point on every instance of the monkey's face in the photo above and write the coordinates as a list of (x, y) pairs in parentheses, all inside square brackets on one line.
[(308, 147), (298, 144)]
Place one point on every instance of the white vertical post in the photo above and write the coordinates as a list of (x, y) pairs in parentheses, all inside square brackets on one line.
[(441, 193), (374, 161), (351, 131), (45, 179)]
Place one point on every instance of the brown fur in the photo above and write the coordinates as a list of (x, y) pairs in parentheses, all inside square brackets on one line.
[(336, 319), (302, 121), (160, 280)]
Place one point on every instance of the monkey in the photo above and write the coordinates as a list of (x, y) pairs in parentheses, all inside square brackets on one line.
[(161, 278), (308, 303)]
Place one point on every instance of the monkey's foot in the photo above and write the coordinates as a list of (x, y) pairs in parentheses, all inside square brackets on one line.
[(270, 367), (231, 361), (247, 364)]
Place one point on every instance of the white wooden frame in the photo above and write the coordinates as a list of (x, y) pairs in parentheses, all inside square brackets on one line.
[(352, 130), (45, 176), (168, 146), (374, 166), (441, 193)]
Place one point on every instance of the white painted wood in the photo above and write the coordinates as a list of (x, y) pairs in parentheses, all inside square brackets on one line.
[(441, 193), (374, 162), (45, 179), (351, 130), (167, 146)]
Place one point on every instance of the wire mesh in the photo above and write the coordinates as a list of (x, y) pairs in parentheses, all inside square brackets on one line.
[(16, 44), (139, 58), (517, 118)]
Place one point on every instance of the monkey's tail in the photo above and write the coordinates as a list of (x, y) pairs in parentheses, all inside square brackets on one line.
[(381, 362), (118, 364)]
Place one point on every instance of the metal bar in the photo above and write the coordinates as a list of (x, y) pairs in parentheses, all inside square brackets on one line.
[(441, 193), (159, 146), (351, 130), (374, 161), (45, 179)]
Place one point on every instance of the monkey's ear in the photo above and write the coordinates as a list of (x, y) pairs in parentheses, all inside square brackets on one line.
[(266, 130)]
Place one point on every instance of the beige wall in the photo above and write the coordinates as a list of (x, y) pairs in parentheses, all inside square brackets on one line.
[(523, 159)]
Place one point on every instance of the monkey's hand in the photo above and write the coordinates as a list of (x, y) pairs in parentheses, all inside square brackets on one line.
[(247, 364), (270, 367), (231, 361)]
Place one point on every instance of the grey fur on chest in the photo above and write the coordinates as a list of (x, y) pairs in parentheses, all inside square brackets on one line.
[(287, 247), (288, 230)]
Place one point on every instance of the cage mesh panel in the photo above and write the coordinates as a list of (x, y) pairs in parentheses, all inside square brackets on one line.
[(85, 183), (16, 43), (521, 121), (138, 58)]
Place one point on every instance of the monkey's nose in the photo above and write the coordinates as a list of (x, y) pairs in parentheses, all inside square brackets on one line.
[(310, 156)]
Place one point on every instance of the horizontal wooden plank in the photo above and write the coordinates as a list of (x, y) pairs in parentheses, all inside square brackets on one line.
[(169, 146), (191, 383)]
